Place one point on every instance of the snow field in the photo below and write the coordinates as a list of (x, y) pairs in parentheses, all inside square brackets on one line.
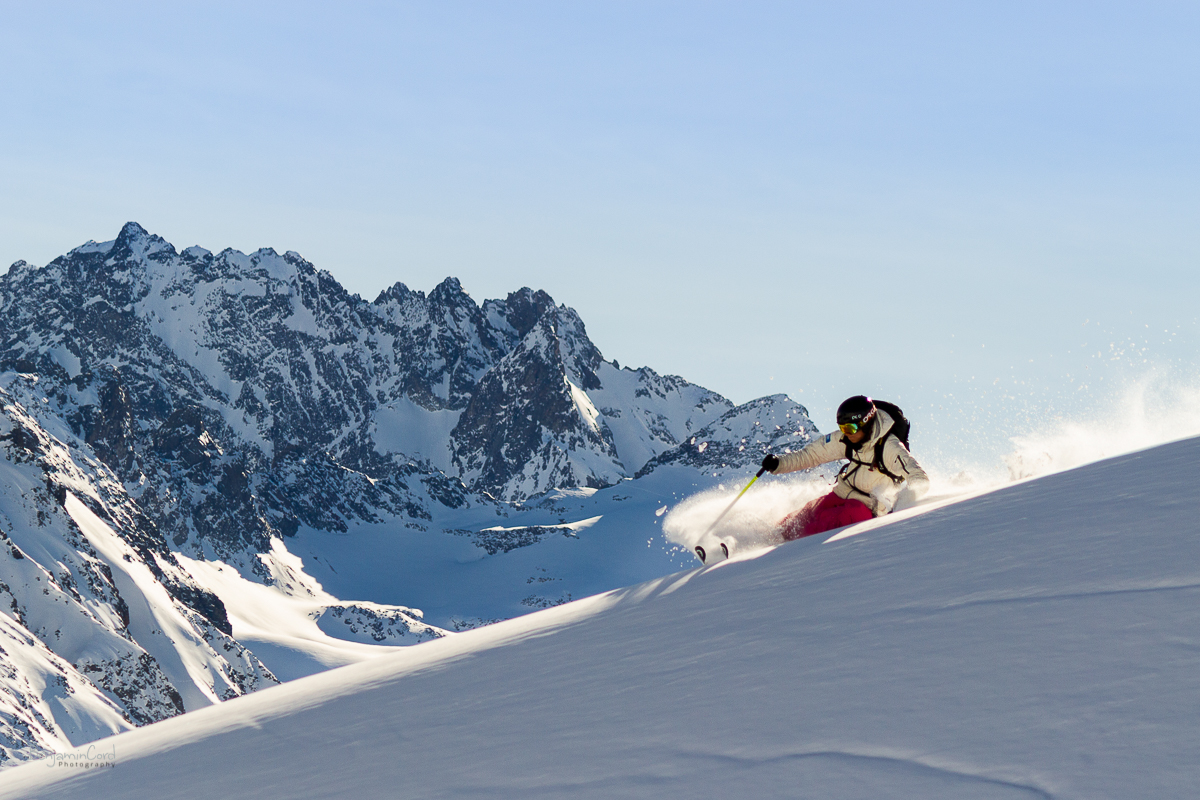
[(280, 628), (1037, 641)]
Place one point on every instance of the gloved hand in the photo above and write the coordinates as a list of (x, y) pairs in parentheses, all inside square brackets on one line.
[(907, 498), (884, 500), (770, 463)]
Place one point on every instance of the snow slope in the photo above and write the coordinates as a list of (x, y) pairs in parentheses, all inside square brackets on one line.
[(1039, 641)]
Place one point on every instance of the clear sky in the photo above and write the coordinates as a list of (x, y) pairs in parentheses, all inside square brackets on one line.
[(973, 209)]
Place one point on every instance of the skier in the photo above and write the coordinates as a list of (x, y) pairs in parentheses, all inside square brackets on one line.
[(880, 471)]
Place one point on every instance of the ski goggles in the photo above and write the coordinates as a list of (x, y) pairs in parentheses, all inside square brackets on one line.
[(851, 428)]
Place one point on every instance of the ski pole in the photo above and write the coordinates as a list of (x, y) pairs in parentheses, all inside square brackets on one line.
[(730, 506)]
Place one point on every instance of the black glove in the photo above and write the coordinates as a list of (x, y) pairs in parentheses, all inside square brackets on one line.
[(770, 463)]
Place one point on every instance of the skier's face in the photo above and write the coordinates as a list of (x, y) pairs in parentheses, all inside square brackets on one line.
[(854, 432), (857, 436)]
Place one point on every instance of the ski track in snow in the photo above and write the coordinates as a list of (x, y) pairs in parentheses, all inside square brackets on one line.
[(1042, 598)]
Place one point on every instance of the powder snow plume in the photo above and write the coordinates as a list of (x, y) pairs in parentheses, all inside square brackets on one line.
[(1150, 411), (753, 520), (1148, 414)]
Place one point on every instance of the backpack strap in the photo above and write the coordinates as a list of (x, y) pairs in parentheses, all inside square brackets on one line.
[(853, 464), (877, 459), (847, 471)]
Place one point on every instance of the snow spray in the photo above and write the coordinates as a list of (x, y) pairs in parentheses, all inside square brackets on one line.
[(751, 522), (730, 506), (1149, 411)]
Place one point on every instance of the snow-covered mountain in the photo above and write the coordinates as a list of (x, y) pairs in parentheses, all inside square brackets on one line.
[(224, 469), (101, 631), (1038, 641), (240, 369)]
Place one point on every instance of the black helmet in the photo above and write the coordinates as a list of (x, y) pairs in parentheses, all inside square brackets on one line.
[(858, 410)]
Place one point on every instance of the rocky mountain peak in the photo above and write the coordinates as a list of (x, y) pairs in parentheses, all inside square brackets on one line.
[(450, 293), (523, 309), (132, 232), (396, 293), (135, 243)]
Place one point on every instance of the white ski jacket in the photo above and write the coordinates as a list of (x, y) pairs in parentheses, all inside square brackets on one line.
[(858, 480)]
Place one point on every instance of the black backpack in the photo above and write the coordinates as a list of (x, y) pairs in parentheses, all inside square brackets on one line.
[(900, 429)]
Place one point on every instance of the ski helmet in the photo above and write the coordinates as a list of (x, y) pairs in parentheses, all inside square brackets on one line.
[(857, 410)]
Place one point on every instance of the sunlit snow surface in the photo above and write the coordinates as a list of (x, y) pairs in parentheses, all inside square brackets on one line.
[(1039, 640)]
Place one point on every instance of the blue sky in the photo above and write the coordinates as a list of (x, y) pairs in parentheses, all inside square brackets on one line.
[(973, 211)]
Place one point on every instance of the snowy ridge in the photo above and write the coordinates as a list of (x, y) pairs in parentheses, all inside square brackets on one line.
[(113, 622), (46, 704), (1035, 641), (259, 361), (742, 436)]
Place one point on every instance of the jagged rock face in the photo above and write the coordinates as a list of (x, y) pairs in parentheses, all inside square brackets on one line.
[(445, 341), (33, 680), (373, 624), (209, 383), (529, 427), (110, 429)]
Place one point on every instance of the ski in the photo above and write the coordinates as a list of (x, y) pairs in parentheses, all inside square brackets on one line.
[(714, 553)]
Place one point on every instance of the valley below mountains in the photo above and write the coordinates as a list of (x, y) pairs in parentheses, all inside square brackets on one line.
[(221, 471)]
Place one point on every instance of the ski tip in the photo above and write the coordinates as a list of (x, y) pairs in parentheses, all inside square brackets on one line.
[(703, 554)]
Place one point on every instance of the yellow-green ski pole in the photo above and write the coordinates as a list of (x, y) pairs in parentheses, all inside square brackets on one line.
[(730, 506)]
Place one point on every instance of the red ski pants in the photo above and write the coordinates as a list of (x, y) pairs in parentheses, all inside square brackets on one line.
[(823, 514)]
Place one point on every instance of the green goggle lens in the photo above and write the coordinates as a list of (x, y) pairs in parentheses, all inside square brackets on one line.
[(850, 428)]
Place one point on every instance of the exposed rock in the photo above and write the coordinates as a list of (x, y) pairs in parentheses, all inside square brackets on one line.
[(371, 623)]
